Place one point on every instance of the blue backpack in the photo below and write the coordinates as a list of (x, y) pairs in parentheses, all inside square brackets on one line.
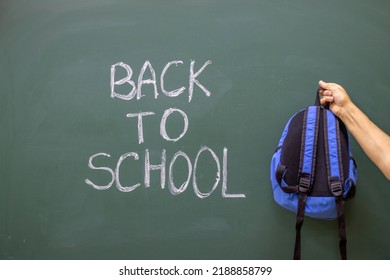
[(312, 171)]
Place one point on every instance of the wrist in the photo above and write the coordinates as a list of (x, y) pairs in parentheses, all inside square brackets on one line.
[(347, 113)]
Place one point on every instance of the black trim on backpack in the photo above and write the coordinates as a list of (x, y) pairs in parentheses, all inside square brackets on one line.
[(335, 186), (305, 181)]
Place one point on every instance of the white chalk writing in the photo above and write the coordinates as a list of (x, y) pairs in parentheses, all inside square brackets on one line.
[(161, 165)]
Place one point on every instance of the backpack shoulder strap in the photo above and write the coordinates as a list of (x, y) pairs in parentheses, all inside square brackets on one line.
[(334, 167), (306, 168)]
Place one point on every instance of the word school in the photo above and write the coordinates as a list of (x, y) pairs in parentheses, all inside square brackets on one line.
[(135, 94)]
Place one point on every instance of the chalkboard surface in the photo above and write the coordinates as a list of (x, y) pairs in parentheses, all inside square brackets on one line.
[(145, 129)]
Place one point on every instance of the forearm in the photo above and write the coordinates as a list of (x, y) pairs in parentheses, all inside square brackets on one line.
[(374, 142)]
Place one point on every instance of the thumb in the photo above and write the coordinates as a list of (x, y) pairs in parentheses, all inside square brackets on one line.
[(324, 85)]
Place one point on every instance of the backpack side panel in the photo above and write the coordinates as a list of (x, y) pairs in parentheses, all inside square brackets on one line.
[(277, 154)]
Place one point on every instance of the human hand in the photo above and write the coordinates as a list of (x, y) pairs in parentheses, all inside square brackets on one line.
[(336, 96)]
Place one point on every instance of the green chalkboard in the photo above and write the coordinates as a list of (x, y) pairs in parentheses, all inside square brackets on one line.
[(145, 129)]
